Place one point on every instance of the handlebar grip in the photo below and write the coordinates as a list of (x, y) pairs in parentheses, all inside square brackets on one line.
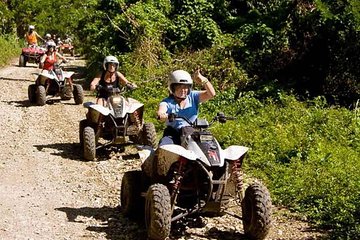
[(131, 86)]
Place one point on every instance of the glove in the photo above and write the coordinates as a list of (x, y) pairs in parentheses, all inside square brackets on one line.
[(131, 86)]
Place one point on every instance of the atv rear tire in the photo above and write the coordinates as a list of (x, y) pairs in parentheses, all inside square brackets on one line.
[(158, 212), (22, 61), (256, 211), (32, 93), (89, 145), (132, 203), (41, 95), (148, 135), (78, 94)]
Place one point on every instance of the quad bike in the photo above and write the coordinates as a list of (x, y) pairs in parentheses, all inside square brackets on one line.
[(54, 83), (67, 48), (198, 178), (30, 54), (118, 123)]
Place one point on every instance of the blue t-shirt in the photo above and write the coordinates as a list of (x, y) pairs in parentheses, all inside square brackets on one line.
[(190, 111)]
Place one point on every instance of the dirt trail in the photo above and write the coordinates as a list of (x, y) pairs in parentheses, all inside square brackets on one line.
[(48, 192)]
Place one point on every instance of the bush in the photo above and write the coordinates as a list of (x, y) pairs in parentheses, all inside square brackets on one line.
[(307, 153), (9, 48)]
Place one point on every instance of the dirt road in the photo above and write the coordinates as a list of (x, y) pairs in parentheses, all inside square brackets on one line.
[(48, 192)]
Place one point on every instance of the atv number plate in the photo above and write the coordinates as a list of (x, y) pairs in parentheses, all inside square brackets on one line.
[(206, 138)]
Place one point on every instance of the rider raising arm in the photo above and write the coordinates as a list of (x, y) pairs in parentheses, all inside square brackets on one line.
[(183, 101)]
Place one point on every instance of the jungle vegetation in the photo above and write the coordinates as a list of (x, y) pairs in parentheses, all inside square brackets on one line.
[(287, 69)]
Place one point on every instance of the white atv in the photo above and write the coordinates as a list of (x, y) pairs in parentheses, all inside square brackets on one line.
[(118, 123), (198, 177), (54, 83)]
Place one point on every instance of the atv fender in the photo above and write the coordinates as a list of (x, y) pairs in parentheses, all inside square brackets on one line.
[(67, 74), (146, 154), (234, 152), (45, 74), (133, 105), (168, 154), (103, 110)]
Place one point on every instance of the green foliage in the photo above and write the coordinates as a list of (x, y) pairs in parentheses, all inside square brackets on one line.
[(307, 153), (6, 25), (9, 48), (192, 25)]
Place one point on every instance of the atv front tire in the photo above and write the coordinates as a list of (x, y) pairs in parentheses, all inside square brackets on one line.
[(65, 93), (256, 211), (22, 61), (89, 145), (41, 95), (82, 125), (32, 93), (148, 135), (78, 94), (132, 203), (158, 212)]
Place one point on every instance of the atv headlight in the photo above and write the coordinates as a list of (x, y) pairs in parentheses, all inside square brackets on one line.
[(117, 104)]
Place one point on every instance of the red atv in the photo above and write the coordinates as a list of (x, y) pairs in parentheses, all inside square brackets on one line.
[(31, 54), (66, 48)]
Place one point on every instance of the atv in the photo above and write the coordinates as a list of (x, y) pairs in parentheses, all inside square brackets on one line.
[(30, 54), (198, 177), (118, 123), (66, 48), (54, 83)]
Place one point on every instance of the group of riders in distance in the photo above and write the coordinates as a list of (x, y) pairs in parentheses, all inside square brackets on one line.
[(186, 173)]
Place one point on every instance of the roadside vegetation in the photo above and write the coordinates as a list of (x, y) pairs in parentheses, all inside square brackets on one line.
[(288, 70), (9, 48)]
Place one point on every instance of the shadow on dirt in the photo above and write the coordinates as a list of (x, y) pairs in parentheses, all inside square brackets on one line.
[(23, 103), (115, 225), (65, 150), (28, 65), (17, 79), (214, 233), (72, 151), (26, 103)]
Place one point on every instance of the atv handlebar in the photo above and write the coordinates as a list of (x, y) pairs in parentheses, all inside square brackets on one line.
[(220, 117), (111, 89)]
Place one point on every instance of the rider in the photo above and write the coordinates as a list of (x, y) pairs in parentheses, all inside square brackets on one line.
[(183, 101), (49, 59), (31, 36), (48, 39), (67, 40), (109, 77)]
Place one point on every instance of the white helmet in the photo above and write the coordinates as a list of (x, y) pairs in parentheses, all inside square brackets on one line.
[(48, 35), (179, 77), (110, 59), (31, 27), (50, 44)]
